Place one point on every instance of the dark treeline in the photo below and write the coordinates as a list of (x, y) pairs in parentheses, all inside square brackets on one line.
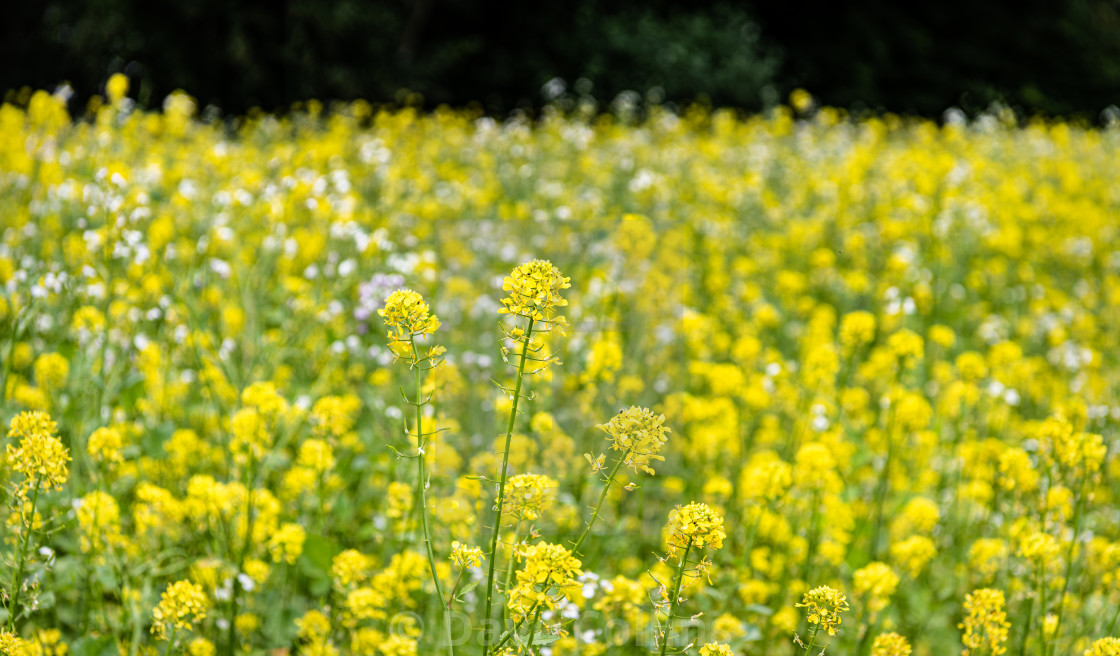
[(1039, 56)]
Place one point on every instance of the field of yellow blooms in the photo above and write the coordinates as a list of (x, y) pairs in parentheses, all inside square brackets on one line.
[(363, 381)]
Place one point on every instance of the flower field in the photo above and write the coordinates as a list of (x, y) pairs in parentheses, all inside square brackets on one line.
[(376, 381)]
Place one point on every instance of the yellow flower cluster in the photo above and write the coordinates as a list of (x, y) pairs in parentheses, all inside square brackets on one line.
[(11, 644), (875, 583), (181, 606), (716, 649), (40, 456), (528, 495), (407, 316), (823, 607), (534, 292), (696, 525), (547, 574), (890, 644), (639, 434), (1104, 647), (465, 556), (286, 544), (985, 623)]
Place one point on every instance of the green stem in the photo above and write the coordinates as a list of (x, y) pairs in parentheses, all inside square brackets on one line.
[(422, 485), (599, 505), (1030, 618), (533, 629), (1113, 624), (170, 641), (250, 481), (512, 632), (502, 488), (746, 562), (1069, 565), (1042, 608), (509, 569), (812, 639), (17, 578), (675, 599)]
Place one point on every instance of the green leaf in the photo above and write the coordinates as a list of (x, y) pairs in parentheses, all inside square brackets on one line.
[(95, 646), (466, 588), (760, 609), (318, 553), (546, 639)]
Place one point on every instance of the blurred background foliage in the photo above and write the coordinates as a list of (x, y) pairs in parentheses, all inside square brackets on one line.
[(1039, 56)]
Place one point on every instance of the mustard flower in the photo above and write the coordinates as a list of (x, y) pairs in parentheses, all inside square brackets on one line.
[(286, 544), (890, 644), (182, 606), (104, 446), (549, 571), (985, 624), (263, 397), (99, 520), (465, 556), (316, 455), (534, 292), (1040, 547), (823, 606), (857, 329), (51, 370), (766, 479), (365, 603), (986, 556), (1104, 647), (715, 649), (40, 456), (639, 435), (876, 583), (528, 495), (350, 567), (913, 554), (313, 625), (695, 525), (201, 647), (407, 316), (12, 645)]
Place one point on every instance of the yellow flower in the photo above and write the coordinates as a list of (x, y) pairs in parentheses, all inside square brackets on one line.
[(913, 554), (407, 316), (714, 649), (528, 495), (313, 625), (40, 456), (639, 435), (823, 608), (182, 605), (316, 455), (11, 644), (877, 582), (890, 644), (99, 520), (534, 292), (286, 543), (200, 647), (985, 624), (350, 567), (857, 329), (1104, 647), (116, 87), (549, 571), (465, 556), (104, 446), (51, 370), (695, 525)]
